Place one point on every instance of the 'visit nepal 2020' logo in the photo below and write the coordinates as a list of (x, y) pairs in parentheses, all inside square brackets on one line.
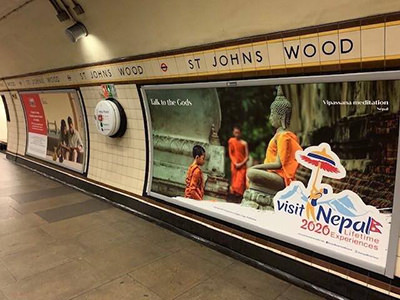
[(343, 217)]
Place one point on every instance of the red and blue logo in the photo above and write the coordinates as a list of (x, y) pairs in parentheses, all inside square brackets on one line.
[(344, 210)]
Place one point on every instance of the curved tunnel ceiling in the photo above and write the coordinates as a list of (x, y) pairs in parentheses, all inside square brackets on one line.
[(9, 6), (32, 39)]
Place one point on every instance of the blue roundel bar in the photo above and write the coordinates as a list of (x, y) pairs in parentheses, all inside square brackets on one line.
[(313, 155)]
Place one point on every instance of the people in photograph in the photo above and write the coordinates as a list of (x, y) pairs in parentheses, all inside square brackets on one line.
[(74, 144), (239, 155), (280, 165), (194, 177), (63, 142)]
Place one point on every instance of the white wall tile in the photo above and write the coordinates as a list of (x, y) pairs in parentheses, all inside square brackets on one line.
[(116, 161)]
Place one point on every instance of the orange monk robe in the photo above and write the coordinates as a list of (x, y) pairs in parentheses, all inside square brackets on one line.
[(285, 144), (194, 183), (237, 154)]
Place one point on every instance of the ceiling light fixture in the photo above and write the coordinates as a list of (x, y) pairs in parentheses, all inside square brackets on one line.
[(76, 32)]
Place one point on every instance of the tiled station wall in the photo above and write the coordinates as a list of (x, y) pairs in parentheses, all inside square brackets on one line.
[(397, 271), (12, 125), (16, 128), (116, 162)]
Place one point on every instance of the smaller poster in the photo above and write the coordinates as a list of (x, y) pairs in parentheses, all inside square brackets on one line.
[(56, 128), (36, 121)]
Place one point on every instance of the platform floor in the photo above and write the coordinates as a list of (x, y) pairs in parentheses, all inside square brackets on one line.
[(59, 243)]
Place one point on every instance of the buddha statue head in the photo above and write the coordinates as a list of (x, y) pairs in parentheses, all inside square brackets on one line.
[(281, 110)]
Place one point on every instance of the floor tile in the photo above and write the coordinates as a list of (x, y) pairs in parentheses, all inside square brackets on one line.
[(6, 200), (101, 237), (37, 259), (48, 203), (62, 282), (19, 223), (217, 289), (78, 247), (283, 298), (19, 241), (73, 210), (255, 281), (296, 293), (71, 228), (123, 288), (163, 237), (175, 274), (41, 194), (21, 189), (29, 180), (123, 257), (7, 212), (6, 277), (210, 255), (114, 215), (2, 297)]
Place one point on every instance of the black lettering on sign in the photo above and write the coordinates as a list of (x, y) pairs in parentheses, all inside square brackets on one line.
[(325, 47), (215, 62), (309, 50), (259, 56), (129, 70), (94, 74), (53, 79), (122, 71), (346, 45), (191, 65), (197, 60), (231, 59), (194, 63), (247, 57), (37, 81), (101, 74), (293, 51), (223, 60), (234, 58)]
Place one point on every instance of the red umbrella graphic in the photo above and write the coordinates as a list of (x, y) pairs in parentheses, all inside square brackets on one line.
[(323, 162)]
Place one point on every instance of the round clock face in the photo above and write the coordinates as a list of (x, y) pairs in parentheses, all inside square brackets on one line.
[(107, 118)]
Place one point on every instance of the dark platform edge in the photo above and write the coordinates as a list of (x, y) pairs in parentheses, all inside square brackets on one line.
[(307, 277)]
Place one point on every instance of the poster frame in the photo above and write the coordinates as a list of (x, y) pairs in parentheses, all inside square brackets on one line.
[(85, 124), (389, 269)]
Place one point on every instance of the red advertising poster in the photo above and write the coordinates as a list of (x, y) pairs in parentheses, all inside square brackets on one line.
[(35, 114), (36, 120), (56, 128)]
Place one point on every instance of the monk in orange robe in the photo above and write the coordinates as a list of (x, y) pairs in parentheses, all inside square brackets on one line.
[(194, 177), (239, 155), (283, 147)]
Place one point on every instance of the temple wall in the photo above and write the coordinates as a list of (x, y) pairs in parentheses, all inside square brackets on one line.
[(351, 137)]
